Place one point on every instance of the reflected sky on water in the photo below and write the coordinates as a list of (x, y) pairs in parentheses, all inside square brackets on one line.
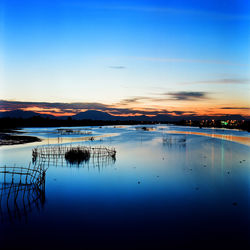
[(176, 191)]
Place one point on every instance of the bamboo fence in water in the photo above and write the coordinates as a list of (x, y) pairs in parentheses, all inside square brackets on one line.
[(21, 189), (59, 151)]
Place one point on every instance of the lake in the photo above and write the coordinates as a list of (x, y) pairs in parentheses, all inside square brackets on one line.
[(168, 187)]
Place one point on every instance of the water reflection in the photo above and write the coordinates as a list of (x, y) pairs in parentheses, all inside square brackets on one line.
[(170, 141), (99, 163), (71, 139), (156, 187), (21, 190), (228, 137)]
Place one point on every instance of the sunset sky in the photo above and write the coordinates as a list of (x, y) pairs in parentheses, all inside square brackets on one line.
[(125, 57)]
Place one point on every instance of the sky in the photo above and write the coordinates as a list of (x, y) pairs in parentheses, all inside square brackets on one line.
[(125, 57)]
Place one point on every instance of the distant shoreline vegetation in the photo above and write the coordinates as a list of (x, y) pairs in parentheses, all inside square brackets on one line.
[(227, 124), (37, 121)]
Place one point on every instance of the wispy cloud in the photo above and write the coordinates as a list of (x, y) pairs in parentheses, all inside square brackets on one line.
[(224, 81), (187, 60), (116, 109), (117, 67), (242, 108), (133, 100), (62, 107), (186, 96), (167, 96), (73, 108)]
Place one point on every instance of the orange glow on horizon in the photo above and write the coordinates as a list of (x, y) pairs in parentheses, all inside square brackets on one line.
[(56, 114), (184, 109)]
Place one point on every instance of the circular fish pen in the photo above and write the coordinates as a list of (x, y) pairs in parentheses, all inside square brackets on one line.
[(98, 155)]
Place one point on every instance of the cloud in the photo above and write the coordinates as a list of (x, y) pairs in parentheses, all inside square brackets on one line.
[(115, 109), (225, 81), (73, 108), (186, 96), (62, 107), (117, 67), (242, 108), (187, 60), (133, 100), (179, 96)]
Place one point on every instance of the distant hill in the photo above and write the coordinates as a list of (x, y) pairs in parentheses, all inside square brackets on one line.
[(93, 115), (103, 116), (23, 114)]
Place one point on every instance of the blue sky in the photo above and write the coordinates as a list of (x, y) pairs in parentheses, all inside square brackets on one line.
[(111, 51)]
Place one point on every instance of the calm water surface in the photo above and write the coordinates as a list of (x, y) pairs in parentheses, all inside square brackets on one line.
[(170, 187)]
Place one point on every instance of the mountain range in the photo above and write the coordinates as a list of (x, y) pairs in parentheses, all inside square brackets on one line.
[(103, 116), (23, 114)]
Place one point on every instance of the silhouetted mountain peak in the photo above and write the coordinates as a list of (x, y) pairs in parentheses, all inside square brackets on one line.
[(22, 114), (93, 115)]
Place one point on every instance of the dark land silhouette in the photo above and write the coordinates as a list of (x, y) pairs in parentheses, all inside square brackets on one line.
[(20, 118)]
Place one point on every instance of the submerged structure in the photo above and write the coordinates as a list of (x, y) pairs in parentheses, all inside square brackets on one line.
[(167, 139), (73, 132)]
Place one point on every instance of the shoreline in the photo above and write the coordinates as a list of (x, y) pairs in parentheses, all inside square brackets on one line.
[(7, 138)]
